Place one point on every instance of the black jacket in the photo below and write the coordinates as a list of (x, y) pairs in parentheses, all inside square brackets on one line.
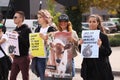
[(34, 60), (50, 29), (98, 68), (23, 39)]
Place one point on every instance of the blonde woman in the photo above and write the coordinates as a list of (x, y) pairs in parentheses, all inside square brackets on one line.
[(44, 20)]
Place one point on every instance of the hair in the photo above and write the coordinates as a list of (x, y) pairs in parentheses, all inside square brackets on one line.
[(99, 20), (22, 14), (46, 15), (69, 26)]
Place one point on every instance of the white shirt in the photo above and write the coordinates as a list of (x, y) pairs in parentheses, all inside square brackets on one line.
[(44, 31), (3, 45)]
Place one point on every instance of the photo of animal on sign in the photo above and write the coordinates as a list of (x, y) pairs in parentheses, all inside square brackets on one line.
[(89, 48), (59, 63)]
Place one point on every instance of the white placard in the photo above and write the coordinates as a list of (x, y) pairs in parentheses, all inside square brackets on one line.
[(90, 48), (13, 47)]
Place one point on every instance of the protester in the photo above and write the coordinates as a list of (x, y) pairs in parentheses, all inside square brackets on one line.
[(4, 71), (44, 20), (64, 25), (2, 22), (21, 62), (97, 68)]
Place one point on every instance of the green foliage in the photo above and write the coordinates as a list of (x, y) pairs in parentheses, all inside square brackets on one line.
[(75, 18), (51, 8), (108, 4), (114, 40)]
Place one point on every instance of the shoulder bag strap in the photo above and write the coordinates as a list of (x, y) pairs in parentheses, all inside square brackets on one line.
[(3, 51)]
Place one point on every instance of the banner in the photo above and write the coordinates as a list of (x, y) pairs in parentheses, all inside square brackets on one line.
[(37, 45), (13, 46), (90, 48), (59, 63)]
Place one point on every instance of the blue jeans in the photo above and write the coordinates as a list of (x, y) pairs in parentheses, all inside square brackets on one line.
[(41, 65), (73, 68)]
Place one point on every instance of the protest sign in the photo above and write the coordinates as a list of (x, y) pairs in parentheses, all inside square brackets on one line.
[(37, 45), (13, 46), (59, 63), (90, 48)]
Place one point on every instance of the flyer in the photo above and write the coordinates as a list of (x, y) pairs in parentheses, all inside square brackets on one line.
[(37, 45), (90, 48), (13, 46)]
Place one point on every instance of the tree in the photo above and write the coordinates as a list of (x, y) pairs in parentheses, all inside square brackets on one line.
[(51, 8), (83, 6), (113, 6)]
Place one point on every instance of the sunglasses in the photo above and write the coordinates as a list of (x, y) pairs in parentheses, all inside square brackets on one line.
[(15, 17)]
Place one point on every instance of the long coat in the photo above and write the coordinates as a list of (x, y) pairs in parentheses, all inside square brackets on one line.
[(98, 68)]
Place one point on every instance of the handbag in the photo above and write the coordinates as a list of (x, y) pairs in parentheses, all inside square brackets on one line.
[(75, 50), (33, 66), (8, 59)]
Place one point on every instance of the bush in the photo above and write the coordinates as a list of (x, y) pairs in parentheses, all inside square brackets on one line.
[(114, 40)]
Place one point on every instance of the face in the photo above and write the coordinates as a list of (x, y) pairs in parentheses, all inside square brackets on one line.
[(41, 19), (92, 23), (17, 18), (63, 25)]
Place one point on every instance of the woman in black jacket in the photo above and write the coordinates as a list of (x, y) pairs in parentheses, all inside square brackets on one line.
[(97, 68), (44, 20)]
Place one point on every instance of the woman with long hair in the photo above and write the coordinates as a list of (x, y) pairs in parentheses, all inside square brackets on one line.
[(97, 68)]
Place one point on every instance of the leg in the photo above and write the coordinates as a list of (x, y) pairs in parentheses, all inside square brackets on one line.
[(41, 62), (73, 68), (24, 67), (15, 69), (5, 70)]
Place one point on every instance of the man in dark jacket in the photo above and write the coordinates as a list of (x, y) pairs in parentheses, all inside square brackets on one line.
[(21, 62)]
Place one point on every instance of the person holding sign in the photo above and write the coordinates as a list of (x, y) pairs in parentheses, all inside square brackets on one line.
[(21, 61), (97, 68), (4, 71), (44, 20), (65, 26)]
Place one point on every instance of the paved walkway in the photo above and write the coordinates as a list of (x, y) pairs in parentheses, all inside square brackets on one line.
[(114, 59)]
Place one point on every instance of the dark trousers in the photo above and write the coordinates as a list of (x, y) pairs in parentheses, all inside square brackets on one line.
[(3, 69), (20, 64)]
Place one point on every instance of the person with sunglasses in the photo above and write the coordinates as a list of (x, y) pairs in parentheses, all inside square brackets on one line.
[(21, 62)]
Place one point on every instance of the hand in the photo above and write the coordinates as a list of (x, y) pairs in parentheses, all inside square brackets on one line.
[(99, 42), (43, 36), (80, 41), (12, 55), (30, 56)]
